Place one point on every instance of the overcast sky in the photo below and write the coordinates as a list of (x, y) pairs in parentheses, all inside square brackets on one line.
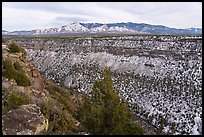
[(39, 15)]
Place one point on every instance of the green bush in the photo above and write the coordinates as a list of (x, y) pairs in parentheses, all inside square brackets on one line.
[(8, 69), (13, 101), (59, 109), (22, 80), (45, 109), (62, 96), (15, 72), (62, 121), (13, 48), (4, 110), (18, 66)]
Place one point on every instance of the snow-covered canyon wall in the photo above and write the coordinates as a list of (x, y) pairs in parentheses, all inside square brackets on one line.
[(159, 76)]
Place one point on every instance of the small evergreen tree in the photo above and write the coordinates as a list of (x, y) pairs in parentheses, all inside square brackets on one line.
[(105, 113)]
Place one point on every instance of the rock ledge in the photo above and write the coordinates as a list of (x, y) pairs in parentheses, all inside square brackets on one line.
[(26, 120)]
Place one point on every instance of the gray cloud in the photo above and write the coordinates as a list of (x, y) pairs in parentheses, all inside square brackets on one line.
[(44, 14), (81, 8), (64, 20), (75, 19), (154, 11)]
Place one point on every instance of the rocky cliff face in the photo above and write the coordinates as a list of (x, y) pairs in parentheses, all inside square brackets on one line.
[(160, 76), (34, 108)]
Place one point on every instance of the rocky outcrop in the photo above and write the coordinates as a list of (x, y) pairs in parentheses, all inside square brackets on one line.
[(42, 95), (26, 120), (37, 83)]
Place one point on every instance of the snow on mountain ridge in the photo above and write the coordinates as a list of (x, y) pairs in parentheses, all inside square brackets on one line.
[(74, 27), (116, 28), (78, 27), (101, 28)]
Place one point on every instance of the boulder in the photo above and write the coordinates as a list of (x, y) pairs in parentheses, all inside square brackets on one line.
[(26, 120)]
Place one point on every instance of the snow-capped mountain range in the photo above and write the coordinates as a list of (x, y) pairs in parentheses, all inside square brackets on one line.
[(132, 28)]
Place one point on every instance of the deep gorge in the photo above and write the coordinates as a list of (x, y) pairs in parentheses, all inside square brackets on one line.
[(159, 75)]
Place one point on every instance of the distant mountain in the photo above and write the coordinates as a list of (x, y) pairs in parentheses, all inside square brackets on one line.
[(127, 28), (4, 32), (23, 32)]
